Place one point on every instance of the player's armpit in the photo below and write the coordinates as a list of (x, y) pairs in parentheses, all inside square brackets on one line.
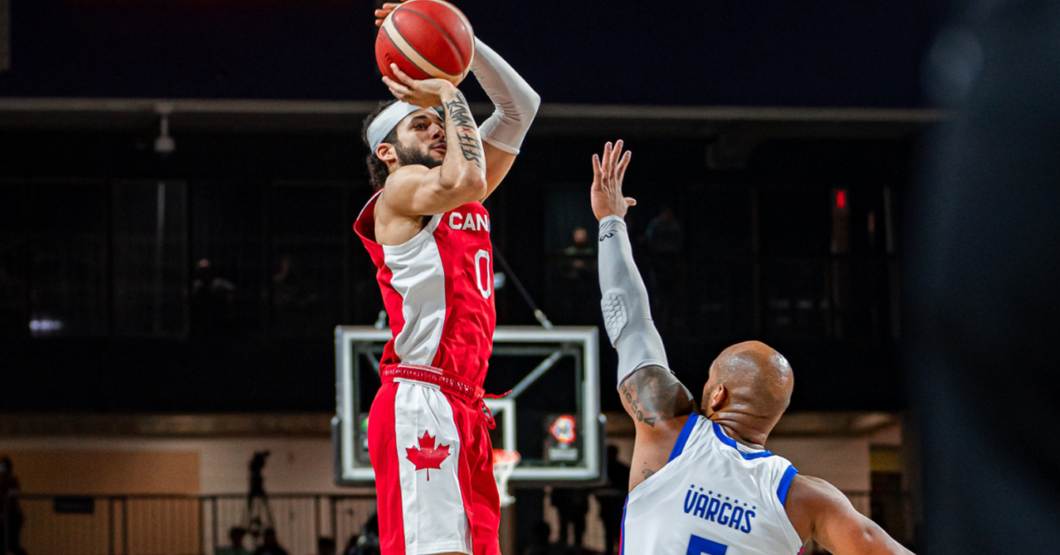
[(820, 511), (655, 398)]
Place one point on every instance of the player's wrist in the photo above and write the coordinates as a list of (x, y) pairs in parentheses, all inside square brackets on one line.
[(445, 87)]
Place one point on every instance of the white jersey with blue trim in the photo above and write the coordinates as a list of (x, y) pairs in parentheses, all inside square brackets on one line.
[(713, 497)]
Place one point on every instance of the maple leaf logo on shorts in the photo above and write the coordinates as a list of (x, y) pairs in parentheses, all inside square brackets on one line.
[(428, 455)]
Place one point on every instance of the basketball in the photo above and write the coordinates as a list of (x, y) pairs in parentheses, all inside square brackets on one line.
[(426, 39)]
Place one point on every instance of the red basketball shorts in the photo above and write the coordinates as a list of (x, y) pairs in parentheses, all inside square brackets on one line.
[(433, 462)]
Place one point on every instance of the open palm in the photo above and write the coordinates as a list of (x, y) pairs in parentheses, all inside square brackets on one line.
[(608, 172)]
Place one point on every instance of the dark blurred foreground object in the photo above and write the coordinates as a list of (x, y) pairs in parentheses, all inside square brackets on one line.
[(10, 512), (984, 284)]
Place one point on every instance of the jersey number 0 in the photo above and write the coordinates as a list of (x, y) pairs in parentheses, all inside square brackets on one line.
[(483, 276)]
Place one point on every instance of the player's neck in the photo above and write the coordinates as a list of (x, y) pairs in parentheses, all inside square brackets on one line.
[(743, 428)]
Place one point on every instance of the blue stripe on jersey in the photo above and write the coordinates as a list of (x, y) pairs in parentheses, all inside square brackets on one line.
[(785, 483), (683, 438), (732, 443), (622, 530)]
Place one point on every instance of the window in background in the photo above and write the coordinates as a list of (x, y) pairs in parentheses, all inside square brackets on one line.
[(227, 268), (13, 270), (68, 258), (150, 257), (307, 230)]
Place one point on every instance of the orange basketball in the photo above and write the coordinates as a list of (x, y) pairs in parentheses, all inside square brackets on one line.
[(426, 38)]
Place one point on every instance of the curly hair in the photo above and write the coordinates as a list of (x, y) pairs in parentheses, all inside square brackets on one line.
[(377, 169)]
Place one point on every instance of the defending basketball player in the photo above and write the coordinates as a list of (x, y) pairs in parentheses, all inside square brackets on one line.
[(428, 234), (702, 481)]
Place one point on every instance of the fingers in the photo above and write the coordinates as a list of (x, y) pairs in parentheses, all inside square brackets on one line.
[(596, 170), (623, 164), (408, 81), (617, 152), (397, 89), (383, 12), (630, 201)]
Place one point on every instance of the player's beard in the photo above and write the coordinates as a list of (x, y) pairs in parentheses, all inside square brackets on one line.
[(413, 156)]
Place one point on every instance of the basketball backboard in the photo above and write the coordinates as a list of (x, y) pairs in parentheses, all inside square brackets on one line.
[(551, 416)]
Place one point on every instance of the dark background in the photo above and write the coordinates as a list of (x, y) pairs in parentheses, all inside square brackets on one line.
[(79, 208), (684, 52)]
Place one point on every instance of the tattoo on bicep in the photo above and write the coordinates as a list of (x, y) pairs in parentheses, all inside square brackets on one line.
[(470, 145), (653, 393), (648, 473)]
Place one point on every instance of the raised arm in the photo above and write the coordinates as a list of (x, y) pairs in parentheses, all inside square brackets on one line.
[(515, 105), (414, 190), (820, 511), (658, 403)]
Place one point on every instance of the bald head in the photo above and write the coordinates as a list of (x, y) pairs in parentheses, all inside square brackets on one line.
[(751, 381)]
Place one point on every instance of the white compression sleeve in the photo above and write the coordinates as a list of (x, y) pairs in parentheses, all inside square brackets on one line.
[(627, 314), (516, 102)]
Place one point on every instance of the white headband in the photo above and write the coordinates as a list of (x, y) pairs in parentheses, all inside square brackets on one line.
[(389, 119)]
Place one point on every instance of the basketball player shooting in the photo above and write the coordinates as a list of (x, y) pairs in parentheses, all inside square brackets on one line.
[(702, 481), (428, 234)]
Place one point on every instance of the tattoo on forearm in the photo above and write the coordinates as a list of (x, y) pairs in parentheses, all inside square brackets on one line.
[(466, 137), (653, 394)]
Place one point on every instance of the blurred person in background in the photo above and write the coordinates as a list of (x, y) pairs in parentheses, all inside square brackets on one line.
[(368, 542), (235, 546), (572, 504), (212, 299), (270, 545), (579, 279), (325, 546), (612, 499), (540, 543), (11, 518), (664, 239)]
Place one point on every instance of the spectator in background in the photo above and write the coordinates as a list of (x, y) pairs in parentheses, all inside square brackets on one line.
[(539, 544), (235, 539), (368, 543), (664, 276), (293, 299), (572, 506), (580, 290), (270, 546), (612, 499), (325, 546), (212, 299), (664, 234), (11, 518), (351, 545)]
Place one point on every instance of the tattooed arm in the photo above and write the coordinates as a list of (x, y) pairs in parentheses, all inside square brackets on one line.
[(415, 190), (659, 405)]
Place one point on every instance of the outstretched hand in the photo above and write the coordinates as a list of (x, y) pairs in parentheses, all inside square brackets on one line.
[(608, 172), (381, 13), (425, 93)]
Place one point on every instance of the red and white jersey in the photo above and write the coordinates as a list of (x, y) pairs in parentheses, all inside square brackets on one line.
[(438, 291)]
